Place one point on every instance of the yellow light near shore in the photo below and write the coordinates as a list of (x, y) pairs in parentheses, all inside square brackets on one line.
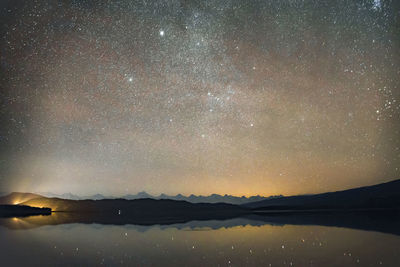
[(35, 204)]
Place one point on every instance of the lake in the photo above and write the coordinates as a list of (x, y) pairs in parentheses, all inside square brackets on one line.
[(233, 242)]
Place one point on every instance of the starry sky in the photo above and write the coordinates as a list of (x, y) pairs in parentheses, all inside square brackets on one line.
[(181, 96)]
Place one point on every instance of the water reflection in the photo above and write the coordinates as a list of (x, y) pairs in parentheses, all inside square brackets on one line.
[(236, 242), (382, 221), (247, 241)]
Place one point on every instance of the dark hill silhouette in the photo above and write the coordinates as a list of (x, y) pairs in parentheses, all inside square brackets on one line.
[(133, 207), (386, 195), (20, 210), (139, 210)]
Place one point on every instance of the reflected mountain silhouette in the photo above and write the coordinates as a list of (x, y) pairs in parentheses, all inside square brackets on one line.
[(385, 221)]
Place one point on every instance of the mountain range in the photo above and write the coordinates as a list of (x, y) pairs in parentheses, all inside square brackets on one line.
[(375, 207), (381, 196), (214, 198)]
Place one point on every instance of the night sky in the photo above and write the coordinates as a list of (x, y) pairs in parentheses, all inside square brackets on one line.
[(236, 97)]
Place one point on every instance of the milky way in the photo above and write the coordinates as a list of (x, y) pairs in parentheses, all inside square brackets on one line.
[(237, 97)]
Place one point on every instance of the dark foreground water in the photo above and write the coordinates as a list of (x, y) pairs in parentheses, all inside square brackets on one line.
[(233, 242)]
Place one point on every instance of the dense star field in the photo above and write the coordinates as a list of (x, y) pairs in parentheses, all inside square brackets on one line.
[(237, 97)]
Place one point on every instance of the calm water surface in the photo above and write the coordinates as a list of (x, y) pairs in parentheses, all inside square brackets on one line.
[(235, 242)]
